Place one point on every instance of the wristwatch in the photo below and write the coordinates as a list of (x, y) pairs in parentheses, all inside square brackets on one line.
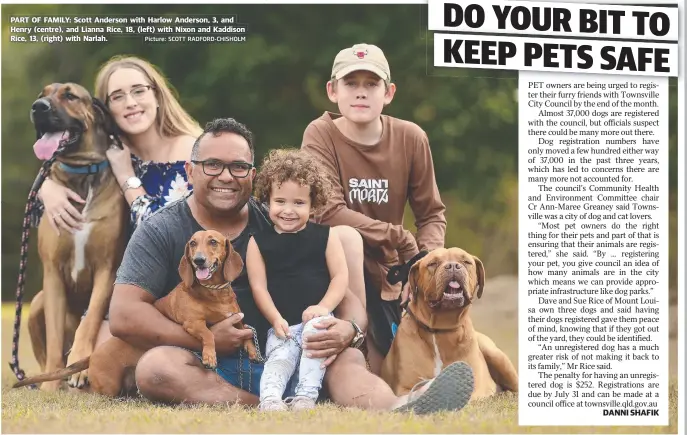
[(359, 337), (131, 183)]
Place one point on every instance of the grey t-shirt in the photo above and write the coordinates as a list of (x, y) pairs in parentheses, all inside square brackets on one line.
[(151, 260)]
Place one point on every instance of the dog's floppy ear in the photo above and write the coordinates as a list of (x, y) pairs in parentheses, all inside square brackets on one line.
[(480, 276), (102, 112), (233, 264), (185, 269), (412, 279), (400, 272)]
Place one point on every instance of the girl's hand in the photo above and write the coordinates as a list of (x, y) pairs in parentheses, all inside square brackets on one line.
[(314, 311), (120, 160), (58, 209), (281, 328)]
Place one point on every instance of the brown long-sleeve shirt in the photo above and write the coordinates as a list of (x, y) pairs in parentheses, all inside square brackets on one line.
[(372, 184)]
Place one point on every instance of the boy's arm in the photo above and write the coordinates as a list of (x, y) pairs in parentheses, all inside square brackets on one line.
[(425, 200), (257, 279), (377, 234), (338, 270)]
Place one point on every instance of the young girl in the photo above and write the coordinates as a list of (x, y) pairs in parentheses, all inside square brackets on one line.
[(297, 274)]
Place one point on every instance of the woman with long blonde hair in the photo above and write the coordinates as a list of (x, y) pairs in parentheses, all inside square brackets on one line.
[(158, 136)]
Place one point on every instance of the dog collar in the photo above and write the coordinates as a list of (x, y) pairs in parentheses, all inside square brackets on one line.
[(87, 169), (217, 286), (427, 328)]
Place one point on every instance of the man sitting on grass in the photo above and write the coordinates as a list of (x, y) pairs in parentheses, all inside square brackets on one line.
[(221, 171)]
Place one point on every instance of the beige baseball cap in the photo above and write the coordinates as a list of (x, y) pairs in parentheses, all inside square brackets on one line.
[(365, 57)]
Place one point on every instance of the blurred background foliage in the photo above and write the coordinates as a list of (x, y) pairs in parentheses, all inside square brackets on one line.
[(275, 83)]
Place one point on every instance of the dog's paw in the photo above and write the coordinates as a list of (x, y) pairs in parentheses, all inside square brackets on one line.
[(252, 351), (78, 380), (210, 360)]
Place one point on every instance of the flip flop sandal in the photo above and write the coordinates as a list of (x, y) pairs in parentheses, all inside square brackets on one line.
[(450, 391)]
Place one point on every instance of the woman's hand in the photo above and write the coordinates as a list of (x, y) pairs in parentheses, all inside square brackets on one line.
[(336, 336), (58, 209), (120, 160)]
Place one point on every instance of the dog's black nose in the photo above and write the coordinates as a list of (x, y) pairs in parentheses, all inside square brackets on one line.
[(453, 266), (199, 261), (41, 105)]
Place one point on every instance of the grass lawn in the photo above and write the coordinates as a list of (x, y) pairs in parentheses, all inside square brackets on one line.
[(25, 411)]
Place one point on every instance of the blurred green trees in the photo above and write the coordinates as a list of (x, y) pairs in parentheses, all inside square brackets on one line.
[(275, 83)]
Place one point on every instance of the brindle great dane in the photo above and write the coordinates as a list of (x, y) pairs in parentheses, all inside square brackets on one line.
[(78, 269)]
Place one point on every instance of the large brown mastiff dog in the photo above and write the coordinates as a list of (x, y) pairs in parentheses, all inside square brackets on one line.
[(202, 297), (437, 330), (78, 269)]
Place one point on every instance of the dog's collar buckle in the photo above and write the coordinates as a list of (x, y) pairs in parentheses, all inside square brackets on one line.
[(87, 169)]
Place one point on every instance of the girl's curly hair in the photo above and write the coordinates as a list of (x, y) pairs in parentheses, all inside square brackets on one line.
[(292, 164)]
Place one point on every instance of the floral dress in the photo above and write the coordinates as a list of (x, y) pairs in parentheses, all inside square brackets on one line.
[(163, 182)]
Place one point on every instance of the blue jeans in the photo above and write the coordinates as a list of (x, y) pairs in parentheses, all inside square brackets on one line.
[(239, 371)]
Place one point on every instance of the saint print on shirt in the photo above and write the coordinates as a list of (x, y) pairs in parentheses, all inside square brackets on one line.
[(368, 190)]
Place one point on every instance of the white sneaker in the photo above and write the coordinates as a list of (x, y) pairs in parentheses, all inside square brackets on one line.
[(301, 402), (272, 404)]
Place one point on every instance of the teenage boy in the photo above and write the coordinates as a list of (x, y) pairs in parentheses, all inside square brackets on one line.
[(377, 164)]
